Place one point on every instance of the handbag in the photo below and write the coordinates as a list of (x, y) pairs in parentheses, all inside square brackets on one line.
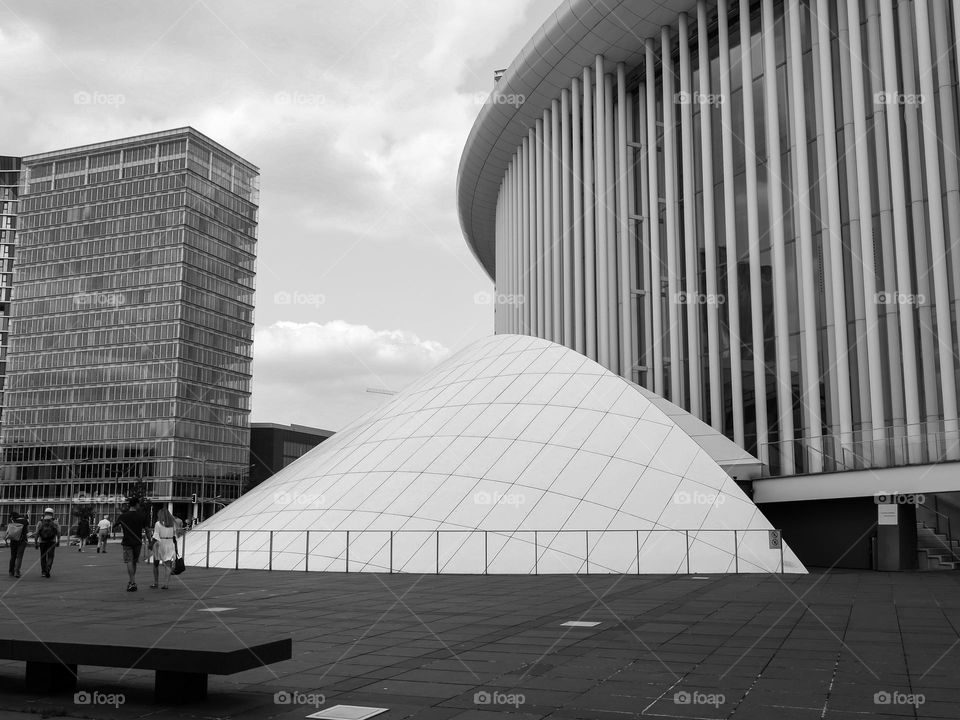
[(178, 565)]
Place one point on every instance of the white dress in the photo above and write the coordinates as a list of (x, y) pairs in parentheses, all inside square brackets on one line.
[(164, 550)]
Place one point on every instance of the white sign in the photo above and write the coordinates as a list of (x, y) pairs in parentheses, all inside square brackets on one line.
[(887, 514)]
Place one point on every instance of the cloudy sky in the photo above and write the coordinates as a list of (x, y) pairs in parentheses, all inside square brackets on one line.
[(356, 112)]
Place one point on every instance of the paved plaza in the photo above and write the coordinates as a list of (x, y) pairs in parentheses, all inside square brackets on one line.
[(836, 644)]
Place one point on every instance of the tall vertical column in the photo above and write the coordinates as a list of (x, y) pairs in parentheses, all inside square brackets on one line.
[(949, 136), (777, 244), (951, 175), (917, 216), (670, 224), (626, 236), (525, 237), (938, 247), (688, 244), (578, 213), (613, 173), (541, 295), (877, 383), (603, 309), (531, 202), (809, 366), (831, 233), (566, 235), (900, 235), (556, 263), (757, 310), (732, 304), (709, 235), (646, 276), (549, 231), (653, 222), (883, 238), (589, 221)]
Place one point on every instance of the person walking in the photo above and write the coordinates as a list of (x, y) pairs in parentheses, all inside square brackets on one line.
[(17, 537), (83, 530), (103, 533), (164, 548), (47, 538), (133, 523)]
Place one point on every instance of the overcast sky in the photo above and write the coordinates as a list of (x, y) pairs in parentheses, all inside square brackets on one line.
[(356, 112)]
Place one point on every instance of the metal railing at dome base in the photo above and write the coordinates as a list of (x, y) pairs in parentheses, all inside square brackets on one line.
[(483, 552)]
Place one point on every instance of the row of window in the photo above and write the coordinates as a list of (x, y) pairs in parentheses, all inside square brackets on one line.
[(59, 315), (123, 226), (103, 265), (116, 289), (86, 414), (52, 359), (103, 193), (29, 382), (98, 211), (209, 227), (232, 220), (145, 335), (49, 254), (119, 392)]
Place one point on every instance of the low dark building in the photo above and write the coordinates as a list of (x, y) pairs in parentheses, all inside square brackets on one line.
[(273, 447)]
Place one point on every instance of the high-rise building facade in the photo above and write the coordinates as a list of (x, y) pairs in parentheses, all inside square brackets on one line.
[(131, 328), (9, 190)]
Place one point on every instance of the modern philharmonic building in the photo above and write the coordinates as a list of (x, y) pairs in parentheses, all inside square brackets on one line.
[(750, 209)]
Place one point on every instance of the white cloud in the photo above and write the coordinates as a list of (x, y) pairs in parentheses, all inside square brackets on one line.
[(319, 373)]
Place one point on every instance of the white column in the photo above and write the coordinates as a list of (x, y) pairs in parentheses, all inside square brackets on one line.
[(900, 234), (645, 279), (556, 246), (777, 242), (566, 220), (670, 229), (626, 236), (691, 250), (732, 304), (714, 366), (578, 215), (603, 321), (524, 237), (916, 212), (653, 222), (831, 232), (941, 286), (877, 383), (893, 433), (549, 231), (949, 136), (613, 172), (531, 207), (809, 365), (757, 311), (589, 221), (541, 296)]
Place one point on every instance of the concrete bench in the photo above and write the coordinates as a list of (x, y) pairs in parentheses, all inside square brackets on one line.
[(182, 659)]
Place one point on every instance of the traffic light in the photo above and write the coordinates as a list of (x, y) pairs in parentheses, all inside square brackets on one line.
[(193, 499)]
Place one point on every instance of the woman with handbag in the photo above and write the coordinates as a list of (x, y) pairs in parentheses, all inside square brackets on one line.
[(164, 549)]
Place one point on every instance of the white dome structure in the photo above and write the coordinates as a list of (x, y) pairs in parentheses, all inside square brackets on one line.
[(515, 455)]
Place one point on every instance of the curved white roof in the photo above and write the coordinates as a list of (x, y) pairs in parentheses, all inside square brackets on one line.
[(510, 436), (566, 43)]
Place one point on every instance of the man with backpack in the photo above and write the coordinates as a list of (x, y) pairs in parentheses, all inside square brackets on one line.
[(47, 539), (17, 537), (134, 525)]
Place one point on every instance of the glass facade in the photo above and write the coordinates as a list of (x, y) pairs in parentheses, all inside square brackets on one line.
[(9, 192), (763, 228), (131, 329)]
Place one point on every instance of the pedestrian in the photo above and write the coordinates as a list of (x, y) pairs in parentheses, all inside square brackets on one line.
[(133, 523), (103, 531), (47, 537), (83, 530), (17, 537), (164, 548)]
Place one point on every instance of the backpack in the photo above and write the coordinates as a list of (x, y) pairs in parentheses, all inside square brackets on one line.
[(47, 532), (14, 531)]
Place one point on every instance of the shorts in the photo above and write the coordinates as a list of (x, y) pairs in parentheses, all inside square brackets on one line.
[(131, 553)]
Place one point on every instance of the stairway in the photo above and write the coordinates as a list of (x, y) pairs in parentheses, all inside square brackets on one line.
[(933, 550)]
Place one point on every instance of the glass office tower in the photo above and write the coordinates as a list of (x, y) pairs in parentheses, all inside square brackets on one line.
[(131, 329), (9, 182)]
